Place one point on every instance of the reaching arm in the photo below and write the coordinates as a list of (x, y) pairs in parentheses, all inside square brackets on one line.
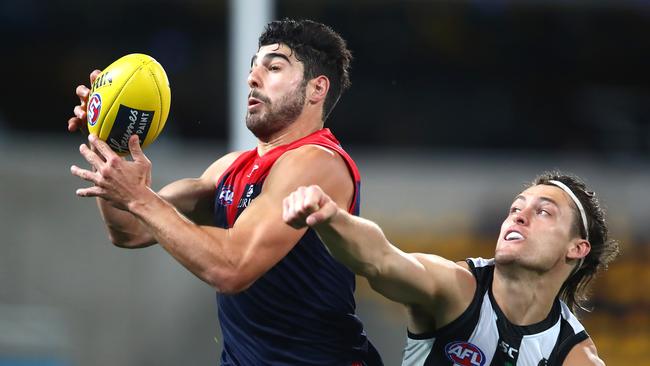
[(360, 244), (228, 259), (192, 197)]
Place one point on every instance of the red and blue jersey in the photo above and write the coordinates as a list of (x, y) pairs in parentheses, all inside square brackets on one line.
[(302, 311)]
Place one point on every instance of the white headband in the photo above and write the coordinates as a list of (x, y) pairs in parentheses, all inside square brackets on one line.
[(575, 199), (583, 215)]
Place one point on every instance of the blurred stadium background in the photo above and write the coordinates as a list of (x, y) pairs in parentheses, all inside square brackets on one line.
[(454, 106)]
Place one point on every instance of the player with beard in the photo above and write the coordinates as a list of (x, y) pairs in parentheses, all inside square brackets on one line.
[(514, 309), (282, 298)]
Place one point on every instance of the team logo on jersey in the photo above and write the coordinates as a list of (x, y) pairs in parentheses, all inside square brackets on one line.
[(94, 107), (464, 354), (226, 196)]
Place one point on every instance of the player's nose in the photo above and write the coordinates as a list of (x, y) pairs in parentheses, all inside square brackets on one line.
[(521, 218), (254, 80)]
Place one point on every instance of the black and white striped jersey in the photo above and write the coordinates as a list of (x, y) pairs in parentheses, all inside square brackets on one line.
[(482, 336)]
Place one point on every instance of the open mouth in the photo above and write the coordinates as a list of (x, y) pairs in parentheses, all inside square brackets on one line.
[(253, 102), (513, 235)]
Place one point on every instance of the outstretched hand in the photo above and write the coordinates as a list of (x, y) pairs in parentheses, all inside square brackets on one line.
[(308, 206), (79, 120), (115, 179)]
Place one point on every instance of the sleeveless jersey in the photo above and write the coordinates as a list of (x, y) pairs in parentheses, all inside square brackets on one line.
[(483, 336), (302, 311)]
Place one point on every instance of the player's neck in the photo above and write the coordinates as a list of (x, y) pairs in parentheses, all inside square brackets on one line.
[(525, 297), (305, 125)]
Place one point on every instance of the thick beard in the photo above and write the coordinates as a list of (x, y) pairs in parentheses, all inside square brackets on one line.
[(278, 115)]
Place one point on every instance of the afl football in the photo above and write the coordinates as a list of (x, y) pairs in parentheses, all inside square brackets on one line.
[(131, 96)]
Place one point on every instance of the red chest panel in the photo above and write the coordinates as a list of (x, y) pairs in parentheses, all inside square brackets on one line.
[(243, 180)]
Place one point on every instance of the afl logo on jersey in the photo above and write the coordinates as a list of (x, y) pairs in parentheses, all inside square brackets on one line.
[(94, 107), (226, 196), (464, 354)]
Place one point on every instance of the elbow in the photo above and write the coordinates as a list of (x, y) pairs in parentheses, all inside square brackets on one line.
[(373, 274), (118, 240), (364, 269), (231, 288), (126, 242), (227, 282)]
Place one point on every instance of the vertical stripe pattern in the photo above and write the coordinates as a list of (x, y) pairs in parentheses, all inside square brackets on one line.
[(483, 336)]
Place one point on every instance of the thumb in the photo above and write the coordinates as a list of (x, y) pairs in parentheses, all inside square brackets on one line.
[(323, 215), (134, 147)]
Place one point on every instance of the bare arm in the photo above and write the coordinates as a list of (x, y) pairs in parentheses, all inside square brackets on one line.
[(360, 244), (192, 197), (583, 353), (228, 259)]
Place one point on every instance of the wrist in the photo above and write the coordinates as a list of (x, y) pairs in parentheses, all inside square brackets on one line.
[(145, 202)]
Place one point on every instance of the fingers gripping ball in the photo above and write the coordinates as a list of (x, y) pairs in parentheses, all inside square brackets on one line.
[(131, 96)]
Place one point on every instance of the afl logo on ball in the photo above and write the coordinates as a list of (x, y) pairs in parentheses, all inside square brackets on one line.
[(465, 354), (94, 107)]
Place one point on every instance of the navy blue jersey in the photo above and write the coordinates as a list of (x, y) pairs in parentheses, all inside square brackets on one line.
[(302, 311)]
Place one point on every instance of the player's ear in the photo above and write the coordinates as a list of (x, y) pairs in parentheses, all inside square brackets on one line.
[(318, 88), (580, 248)]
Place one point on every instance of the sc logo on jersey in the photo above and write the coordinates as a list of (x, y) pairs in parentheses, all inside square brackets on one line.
[(464, 354)]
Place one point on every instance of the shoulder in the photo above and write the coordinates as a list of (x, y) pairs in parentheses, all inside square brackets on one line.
[(451, 287), (310, 153), (312, 165), (432, 260), (583, 353), (454, 278), (216, 169), (309, 164)]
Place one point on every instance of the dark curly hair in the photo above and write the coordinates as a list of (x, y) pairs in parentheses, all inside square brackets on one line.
[(574, 291), (319, 48)]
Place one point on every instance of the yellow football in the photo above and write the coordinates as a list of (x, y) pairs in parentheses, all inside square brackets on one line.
[(131, 96)]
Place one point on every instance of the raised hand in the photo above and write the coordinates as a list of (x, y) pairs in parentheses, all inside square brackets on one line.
[(115, 179), (78, 122), (308, 206)]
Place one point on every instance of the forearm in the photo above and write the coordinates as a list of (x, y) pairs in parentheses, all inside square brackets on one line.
[(361, 245), (200, 249), (191, 197), (358, 243), (124, 229)]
